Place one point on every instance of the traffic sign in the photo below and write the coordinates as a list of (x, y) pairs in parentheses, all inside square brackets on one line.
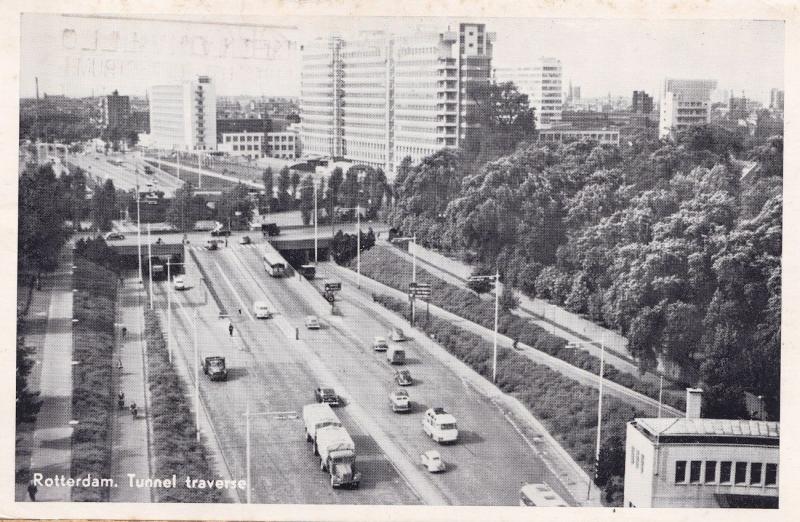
[(331, 287)]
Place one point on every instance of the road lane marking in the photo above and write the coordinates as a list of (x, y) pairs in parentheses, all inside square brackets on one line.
[(242, 304)]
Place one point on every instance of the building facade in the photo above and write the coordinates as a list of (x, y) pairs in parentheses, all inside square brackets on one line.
[(281, 145), (116, 110), (542, 84), (776, 99), (684, 103), (694, 462), (562, 135), (380, 97), (184, 117), (245, 144), (642, 103)]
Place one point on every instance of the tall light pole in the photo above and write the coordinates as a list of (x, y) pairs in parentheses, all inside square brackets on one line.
[(248, 452), (660, 391), (495, 279), (169, 311), (413, 268), (358, 245), (315, 224), (138, 228), (196, 381), (150, 263), (599, 409)]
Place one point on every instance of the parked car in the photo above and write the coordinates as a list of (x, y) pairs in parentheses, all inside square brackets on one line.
[(114, 236), (244, 240), (312, 323), (211, 245), (214, 367), (397, 335), (432, 461), (403, 377), (399, 401), (326, 395), (379, 344), (179, 282)]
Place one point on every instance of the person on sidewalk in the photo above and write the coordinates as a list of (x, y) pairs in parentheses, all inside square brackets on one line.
[(230, 329), (32, 490)]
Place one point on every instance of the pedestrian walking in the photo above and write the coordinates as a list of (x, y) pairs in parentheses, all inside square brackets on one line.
[(32, 490), (119, 364), (124, 332), (230, 329), (226, 242), (516, 342)]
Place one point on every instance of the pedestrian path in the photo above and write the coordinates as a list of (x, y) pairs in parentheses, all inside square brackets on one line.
[(51, 452), (131, 437)]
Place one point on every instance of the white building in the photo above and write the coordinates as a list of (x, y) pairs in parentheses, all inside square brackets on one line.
[(243, 144), (281, 145), (684, 103), (380, 97), (565, 134), (705, 463), (184, 116), (542, 83)]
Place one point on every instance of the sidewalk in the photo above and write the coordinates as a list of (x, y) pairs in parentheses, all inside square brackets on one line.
[(51, 452), (130, 450)]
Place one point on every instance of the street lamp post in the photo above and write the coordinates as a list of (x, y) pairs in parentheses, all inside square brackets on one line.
[(138, 228), (358, 243), (413, 267), (199, 171), (150, 263), (315, 223), (196, 381), (495, 279)]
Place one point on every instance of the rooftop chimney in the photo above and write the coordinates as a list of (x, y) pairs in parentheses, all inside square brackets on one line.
[(694, 402)]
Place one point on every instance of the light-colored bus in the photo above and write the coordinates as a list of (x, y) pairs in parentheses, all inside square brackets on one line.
[(540, 495), (274, 264)]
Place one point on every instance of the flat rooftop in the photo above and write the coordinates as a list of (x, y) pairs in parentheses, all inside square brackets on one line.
[(730, 431)]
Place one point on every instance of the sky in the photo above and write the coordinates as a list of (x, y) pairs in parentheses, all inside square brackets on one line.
[(84, 55)]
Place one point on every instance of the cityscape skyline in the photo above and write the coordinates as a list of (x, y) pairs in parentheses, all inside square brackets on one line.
[(84, 55)]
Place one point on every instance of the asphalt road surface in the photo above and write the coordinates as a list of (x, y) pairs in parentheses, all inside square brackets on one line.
[(486, 466), (124, 176)]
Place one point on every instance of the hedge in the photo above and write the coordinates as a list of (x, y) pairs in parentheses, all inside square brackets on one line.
[(175, 448), (467, 304)]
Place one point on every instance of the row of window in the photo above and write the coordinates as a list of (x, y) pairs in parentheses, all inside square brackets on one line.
[(249, 137), (726, 472), (247, 147)]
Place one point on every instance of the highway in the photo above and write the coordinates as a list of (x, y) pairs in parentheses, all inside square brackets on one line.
[(124, 176), (487, 465)]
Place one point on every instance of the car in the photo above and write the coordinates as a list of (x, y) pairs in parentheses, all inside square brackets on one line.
[(261, 310), (312, 323), (220, 232), (244, 240), (214, 367), (440, 425), (397, 335), (398, 400), (379, 344), (432, 461), (403, 377), (179, 282), (327, 396), (270, 230), (114, 236), (211, 245)]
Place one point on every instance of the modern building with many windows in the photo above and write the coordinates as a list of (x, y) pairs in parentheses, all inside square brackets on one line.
[(684, 103), (244, 144), (542, 83), (116, 111), (184, 116), (696, 462), (380, 97)]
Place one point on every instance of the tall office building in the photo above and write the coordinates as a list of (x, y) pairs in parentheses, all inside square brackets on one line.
[(776, 99), (116, 110), (542, 84), (684, 103), (379, 97), (184, 116), (642, 103)]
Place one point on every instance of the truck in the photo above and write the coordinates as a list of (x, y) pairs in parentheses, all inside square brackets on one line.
[(332, 443), (395, 355)]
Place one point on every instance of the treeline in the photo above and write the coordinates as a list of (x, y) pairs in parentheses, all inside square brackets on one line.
[(663, 242)]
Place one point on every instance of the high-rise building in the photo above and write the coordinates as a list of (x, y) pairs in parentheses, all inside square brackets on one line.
[(776, 99), (701, 463), (116, 110), (379, 97), (184, 116), (542, 84), (642, 103), (684, 103)]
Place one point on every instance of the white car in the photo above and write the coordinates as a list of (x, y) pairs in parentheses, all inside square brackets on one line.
[(312, 323), (432, 461), (379, 344), (261, 310), (440, 425), (399, 401), (179, 282), (397, 335)]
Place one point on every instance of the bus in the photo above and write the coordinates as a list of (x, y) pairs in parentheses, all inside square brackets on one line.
[(308, 271), (274, 264), (540, 495)]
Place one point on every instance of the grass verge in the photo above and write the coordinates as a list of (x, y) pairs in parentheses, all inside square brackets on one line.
[(175, 446), (92, 385), (467, 304)]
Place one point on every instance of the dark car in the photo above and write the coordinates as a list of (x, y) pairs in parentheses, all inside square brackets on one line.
[(211, 245), (245, 240), (270, 229), (403, 377), (220, 232), (326, 395), (214, 367)]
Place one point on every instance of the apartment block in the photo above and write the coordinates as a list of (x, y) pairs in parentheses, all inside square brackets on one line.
[(184, 116), (542, 83), (684, 103), (379, 97)]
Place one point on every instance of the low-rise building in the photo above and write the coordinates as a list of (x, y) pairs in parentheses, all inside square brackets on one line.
[(566, 134), (244, 144), (281, 145), (692, 462)]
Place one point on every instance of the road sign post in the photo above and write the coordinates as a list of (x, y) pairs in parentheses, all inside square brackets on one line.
[(330, 288), (422, 290)]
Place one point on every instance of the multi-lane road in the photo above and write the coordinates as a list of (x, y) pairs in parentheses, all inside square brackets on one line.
[(272, 372), (124, 175)]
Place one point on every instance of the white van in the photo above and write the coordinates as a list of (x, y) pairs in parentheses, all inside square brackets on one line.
[(540, 495), (261, 310), (440, 425), (396, 355)]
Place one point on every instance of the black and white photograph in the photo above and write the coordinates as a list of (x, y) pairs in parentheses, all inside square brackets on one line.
[(481, 260)]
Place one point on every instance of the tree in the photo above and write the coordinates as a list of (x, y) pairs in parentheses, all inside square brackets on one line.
[(508, 301), (27, 401), (307, 199), (104, 206), (267, 179), (337, 178), (351, 187), (41, 212), (182, 212), (295, 182), (612, 460), (284, 181), (236, 207)]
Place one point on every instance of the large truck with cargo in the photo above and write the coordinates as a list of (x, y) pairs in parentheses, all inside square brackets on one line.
[(333, 445)]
